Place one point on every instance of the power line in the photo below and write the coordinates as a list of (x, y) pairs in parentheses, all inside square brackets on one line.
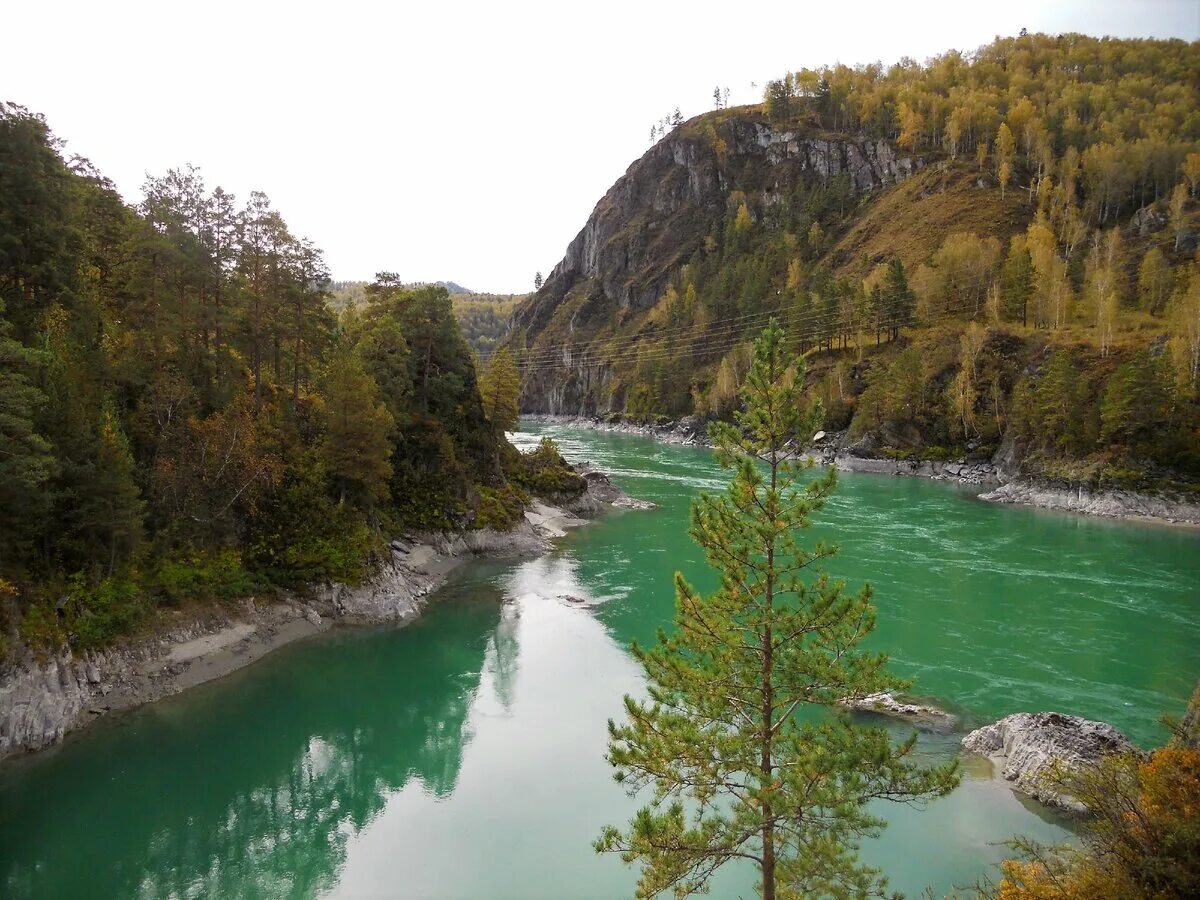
[(827, 325)]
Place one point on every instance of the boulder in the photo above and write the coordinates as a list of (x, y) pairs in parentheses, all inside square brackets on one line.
[(1027, 748)]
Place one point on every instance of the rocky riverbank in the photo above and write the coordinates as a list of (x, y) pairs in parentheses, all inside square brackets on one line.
[(1113, 504), (996, 474), (43, 701)]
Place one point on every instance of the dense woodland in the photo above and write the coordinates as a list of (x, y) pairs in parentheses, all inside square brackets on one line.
[(1036, 281), (183, 416)]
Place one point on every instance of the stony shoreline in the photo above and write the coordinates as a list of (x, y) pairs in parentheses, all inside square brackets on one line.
[(1003, 486), (41, 702)]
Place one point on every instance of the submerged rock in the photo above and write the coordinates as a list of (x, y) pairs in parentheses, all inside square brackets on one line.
[(1028, 747), (926, 717)]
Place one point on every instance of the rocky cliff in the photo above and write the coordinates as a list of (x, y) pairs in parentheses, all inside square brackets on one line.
[(656, 217)]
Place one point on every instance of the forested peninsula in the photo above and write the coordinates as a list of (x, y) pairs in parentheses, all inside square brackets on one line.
[(988, 259), (185, 420)]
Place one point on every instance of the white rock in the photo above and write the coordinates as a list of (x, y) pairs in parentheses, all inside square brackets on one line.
[(1026, 747)]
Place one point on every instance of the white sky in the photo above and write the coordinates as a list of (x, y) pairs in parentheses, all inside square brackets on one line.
[(452, 141)]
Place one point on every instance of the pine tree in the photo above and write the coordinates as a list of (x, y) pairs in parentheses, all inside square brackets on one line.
[(358, 429), (500, 390), (898, 297), (1058, 399), (1017, 279), (722, 730), (385, 357), (1137, 401)]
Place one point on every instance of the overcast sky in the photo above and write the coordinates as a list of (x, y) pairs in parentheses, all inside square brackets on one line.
[(452, 141)]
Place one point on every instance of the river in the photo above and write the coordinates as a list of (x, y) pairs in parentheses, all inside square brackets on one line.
[(462, 756)]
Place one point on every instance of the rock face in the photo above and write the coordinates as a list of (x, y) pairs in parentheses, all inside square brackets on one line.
[(656, 216), (1025, 747), (42, 701)]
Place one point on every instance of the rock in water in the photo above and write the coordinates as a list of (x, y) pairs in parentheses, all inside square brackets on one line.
[(600, 486), (1027, 746), (928, 718)]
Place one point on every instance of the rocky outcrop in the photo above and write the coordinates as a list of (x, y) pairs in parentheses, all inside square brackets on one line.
[(1029, 748), (655, 217), (1112, 503), (684, 171), (921, 715), (961, 471), (601, 487)]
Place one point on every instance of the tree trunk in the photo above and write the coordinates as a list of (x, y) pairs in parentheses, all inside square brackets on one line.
[(768, 710)]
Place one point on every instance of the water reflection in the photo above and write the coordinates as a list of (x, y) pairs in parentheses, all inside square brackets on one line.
[(253, 784)]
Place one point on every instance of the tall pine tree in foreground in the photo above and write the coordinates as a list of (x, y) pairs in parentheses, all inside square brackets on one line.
[(738, 770)]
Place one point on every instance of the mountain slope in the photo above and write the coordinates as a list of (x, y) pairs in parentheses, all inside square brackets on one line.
[(670, 211), (933, 238)]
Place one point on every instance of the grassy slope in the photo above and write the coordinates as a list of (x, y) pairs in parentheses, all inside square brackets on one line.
[(912, 219)]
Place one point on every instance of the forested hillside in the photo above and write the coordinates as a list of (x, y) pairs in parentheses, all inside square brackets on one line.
[(183, 416), (482, 318), (983, 253)]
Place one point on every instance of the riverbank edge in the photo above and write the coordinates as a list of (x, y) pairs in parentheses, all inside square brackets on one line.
[(44, 701), (1002, 487)]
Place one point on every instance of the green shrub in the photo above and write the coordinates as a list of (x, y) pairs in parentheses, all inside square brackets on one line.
[(544, 473), (499, 508), (334, 557), (302, 537), (202, 575), (97, 612), (40, 629), (937, 453)]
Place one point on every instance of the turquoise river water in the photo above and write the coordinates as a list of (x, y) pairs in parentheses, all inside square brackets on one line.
[(462, 756)]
